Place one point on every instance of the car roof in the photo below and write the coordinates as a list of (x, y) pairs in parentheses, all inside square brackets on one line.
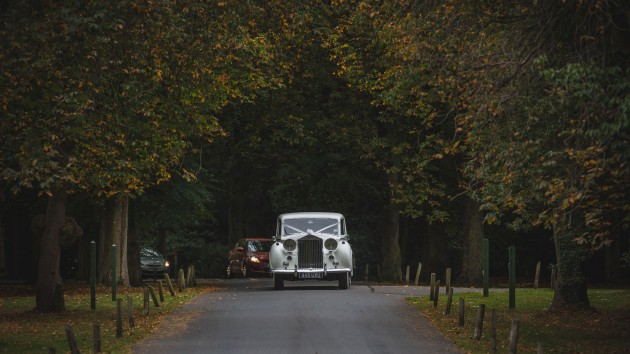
[(256, 238), (310, 215)]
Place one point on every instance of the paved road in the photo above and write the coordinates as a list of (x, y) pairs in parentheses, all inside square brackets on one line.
[(248, 316)]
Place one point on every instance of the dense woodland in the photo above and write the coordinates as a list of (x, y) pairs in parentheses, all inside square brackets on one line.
[(185, 125)]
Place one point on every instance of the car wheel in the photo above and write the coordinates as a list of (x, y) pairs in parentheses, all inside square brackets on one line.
[(278, 283), (344, 281)]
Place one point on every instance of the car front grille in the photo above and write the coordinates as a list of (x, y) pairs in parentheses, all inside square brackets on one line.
[(310, 253)]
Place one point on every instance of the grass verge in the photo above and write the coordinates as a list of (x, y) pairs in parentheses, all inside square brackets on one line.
[(603, 330), (23, 330)]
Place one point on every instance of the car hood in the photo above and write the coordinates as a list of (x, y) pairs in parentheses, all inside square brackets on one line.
[(260, 255), (151, 260)]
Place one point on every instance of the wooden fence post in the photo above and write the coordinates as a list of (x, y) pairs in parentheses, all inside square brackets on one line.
[(145, 302), (169, 284), (181, 281), (461, 312), (449, 301), (513, 337), (448, 279), (132, 322), (188, 277), (407, 274), (119, 325), (71, 340), (418, 273), (432, 290), (153, 297), (96, 334), (479, 324), (161, 291), (493, 331), (437, 293)]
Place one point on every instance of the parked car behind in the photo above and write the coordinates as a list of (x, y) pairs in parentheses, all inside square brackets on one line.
[(152, 263), (250, 256), (311, 246)]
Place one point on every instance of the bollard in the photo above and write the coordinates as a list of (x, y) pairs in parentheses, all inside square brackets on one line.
[(96, 333), (170, 284), (513, 337), (93, 275), (512, 271), (119, 325), (461, 312), (486, 266), (437, 293), (418, 273), (449, 301), (153, 297), (132, 322), (114, 278), (448, 279), (181, 281), (432, 290), (72, 342), (479, 324), (493, 331), (145, 303), (161, 291)]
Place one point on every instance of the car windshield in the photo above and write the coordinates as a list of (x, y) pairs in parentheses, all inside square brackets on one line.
[(147, 252), (259, 246), (316, 225)]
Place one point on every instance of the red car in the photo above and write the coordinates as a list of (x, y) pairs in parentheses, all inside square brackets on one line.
[(250, 256)]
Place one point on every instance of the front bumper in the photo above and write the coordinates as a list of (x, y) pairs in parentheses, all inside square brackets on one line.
[(310, 274)]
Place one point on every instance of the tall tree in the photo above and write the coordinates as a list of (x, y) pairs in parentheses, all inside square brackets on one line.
[(107, 97)]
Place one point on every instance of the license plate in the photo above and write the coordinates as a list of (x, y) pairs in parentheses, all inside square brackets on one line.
[(310, 275)]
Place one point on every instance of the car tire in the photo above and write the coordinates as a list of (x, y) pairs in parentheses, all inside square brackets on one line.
[(278, 283), (344, 281)]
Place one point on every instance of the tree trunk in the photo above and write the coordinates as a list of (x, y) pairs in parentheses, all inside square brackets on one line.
[(390, 259), (472, 258), (114, 227), (49, 289), (570, 287), (612, 255), (133, 251)]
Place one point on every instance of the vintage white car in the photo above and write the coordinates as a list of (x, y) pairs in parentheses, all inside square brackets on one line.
[(311, 245)]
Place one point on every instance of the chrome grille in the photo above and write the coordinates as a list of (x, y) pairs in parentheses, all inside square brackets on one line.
[(310, 253)]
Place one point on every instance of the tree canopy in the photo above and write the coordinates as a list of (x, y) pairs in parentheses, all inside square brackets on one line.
[(242, 110)]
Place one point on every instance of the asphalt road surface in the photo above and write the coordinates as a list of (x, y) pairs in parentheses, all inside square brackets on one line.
[(307, 317)]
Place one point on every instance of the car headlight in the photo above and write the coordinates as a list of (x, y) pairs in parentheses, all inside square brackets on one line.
[(166, 264), (289, 245), (331, 244), (254, 259)]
